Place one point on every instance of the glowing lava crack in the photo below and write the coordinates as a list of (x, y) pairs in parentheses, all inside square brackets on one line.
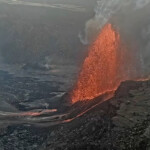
[(108, 63)]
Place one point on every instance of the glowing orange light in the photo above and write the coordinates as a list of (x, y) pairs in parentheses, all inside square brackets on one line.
[(107, 64)]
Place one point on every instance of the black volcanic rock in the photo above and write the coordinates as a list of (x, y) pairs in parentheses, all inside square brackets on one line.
[(26, 93), (22, 137), (122, 123)]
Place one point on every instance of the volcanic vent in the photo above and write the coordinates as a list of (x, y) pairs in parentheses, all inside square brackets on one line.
[(108, 63)]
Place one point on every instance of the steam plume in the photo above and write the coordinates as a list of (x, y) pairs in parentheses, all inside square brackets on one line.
[(104, 11), (131, 18)]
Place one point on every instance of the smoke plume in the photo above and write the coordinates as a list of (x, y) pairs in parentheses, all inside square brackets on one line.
[(131, 18)]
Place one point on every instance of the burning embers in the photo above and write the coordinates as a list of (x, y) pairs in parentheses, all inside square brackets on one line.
[(107, 64)]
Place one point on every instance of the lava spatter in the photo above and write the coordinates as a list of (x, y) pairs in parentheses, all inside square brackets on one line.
[(107, 64)]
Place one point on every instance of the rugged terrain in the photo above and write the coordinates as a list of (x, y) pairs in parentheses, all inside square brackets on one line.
[(121, 123)]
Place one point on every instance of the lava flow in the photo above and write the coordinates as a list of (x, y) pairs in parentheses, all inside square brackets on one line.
[(108, 63)]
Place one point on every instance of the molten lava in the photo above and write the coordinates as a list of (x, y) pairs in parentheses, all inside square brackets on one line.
[(107, 64)]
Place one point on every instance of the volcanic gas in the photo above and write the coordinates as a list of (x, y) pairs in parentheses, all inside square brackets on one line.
[(109, 62)]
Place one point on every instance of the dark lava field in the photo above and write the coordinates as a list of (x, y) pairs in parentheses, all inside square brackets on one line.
[(120, 123)]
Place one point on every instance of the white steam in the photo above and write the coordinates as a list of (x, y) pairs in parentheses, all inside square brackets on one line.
[(141, 3), (106, 10)]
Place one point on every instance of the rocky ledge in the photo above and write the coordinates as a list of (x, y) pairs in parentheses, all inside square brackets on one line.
[(121, 123)]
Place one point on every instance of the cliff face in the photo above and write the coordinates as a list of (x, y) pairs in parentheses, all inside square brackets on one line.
[(121, 123)]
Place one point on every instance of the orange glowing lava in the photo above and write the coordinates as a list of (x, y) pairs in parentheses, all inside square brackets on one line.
[(107, 64)]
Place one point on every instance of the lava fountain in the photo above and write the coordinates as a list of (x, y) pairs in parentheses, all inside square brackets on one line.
[(109, 62)]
